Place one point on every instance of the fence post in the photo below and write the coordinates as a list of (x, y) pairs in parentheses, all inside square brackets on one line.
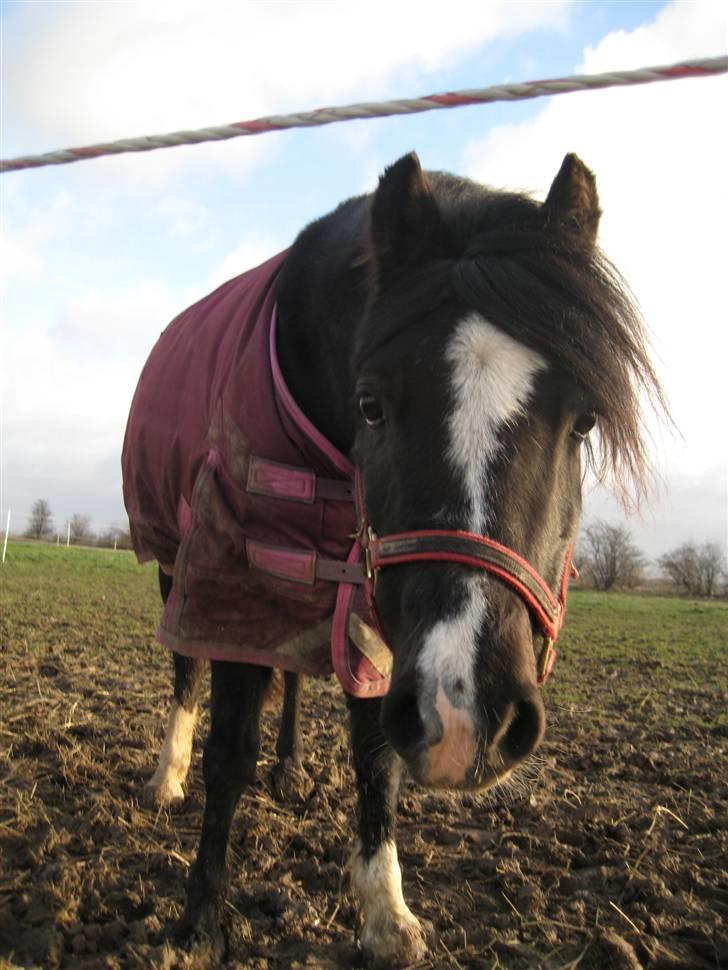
[(7, 533)]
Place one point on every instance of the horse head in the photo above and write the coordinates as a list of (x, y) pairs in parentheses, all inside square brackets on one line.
[(496, 338)]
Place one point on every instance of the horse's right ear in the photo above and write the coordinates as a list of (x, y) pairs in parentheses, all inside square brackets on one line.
[(572, 204), (404, 216)]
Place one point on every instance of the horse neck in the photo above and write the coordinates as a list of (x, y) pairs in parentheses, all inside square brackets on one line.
[(321, 304)]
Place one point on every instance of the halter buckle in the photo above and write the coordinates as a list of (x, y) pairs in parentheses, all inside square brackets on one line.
[(366, 540), (546, 660)]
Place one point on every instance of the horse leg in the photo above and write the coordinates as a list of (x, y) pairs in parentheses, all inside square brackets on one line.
[(229, 764), (289, 778), (390, 931), (165, 787)]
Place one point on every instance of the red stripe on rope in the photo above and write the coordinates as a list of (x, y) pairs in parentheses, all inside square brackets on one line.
[(452, 100), (686, 70), (256, 127)]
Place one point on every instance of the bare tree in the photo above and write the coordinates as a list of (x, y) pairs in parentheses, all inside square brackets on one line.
[(41, 520), (80, 528), (610, 557), (693, 569)]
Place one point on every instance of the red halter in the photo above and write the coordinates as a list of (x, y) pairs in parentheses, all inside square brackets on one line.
[(478, 552)]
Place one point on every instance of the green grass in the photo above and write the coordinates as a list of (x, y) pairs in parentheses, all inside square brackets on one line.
[(660, 647), (82, 559), (663, 656), (653, 626), (52, 597)]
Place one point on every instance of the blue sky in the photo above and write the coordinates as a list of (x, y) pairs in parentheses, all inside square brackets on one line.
[(98, 256)]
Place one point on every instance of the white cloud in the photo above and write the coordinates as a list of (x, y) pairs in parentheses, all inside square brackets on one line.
[(68, 380), (110, 322), (660, 154), (21, 254), (69, 373), (181, 216), (253, 251), (81, 364), (681, 30)]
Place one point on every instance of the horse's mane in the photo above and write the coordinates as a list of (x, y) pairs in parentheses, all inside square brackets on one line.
[(571, 304), (545, 288)]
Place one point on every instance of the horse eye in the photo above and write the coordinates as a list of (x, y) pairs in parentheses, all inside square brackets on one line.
[(584, 424), (371, 410)]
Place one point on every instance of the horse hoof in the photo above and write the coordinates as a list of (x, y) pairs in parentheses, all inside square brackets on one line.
[(165, 793), (291, 783), (400, 939)]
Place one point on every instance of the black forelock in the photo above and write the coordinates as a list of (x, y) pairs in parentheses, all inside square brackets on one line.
[(497, 256)]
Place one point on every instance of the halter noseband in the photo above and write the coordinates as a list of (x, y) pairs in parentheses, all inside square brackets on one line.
[(478, 552)]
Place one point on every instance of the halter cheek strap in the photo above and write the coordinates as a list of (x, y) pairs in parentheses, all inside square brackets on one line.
[(478, 552)]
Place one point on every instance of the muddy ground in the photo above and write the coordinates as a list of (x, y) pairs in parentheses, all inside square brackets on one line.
[(610, 851)]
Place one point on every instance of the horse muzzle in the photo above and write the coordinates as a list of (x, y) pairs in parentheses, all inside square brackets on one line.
[(447, 744)]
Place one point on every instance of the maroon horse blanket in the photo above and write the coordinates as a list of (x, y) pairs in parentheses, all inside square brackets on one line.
[(240, 498)]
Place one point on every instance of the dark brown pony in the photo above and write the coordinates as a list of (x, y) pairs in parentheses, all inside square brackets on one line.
[(459, 345)]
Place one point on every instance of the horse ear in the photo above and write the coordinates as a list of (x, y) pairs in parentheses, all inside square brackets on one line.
[(572, 204), (404, 215)]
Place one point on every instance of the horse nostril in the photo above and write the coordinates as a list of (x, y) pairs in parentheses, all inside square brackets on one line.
[(523, 730), (402, 722)]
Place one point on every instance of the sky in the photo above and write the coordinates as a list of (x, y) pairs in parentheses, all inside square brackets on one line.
[(98, 256)]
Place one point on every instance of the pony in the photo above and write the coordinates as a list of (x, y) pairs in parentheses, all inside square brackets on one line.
[(452, 357)]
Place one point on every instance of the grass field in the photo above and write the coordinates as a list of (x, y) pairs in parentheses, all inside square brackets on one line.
[(612, 847)]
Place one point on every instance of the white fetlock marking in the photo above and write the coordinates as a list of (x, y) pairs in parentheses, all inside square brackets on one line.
[(390, 929), (167, 782)]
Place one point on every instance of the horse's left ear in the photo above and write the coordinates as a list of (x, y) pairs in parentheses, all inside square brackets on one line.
[(404, 216), (572, 204)]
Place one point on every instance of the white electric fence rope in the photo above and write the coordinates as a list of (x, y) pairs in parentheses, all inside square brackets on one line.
[(702, 67)]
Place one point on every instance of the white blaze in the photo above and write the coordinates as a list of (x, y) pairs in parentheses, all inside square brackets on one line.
[(492, 380), (448, 654)]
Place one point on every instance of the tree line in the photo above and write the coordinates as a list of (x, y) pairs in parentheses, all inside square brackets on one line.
[(609, 559), (606, 554), (78, 529)]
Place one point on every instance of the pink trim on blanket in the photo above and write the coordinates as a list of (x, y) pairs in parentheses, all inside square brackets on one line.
[(341, 462), (340, 655)]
